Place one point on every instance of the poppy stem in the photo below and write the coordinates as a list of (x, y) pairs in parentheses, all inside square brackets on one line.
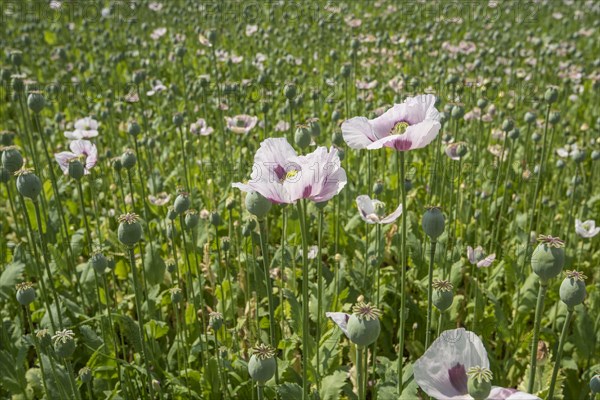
[(402, 276), (430, 294), (360, 379), (539, 309), (561, 342), (305, 326)]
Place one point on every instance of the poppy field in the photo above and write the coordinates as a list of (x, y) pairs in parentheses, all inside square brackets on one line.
[(316, 199)]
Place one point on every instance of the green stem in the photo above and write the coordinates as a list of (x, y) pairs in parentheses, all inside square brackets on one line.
[(305, 325), (561, 343), (539, 310), (402, 275), (36, 343), (140, 317), (360, 379), (430, 294), (260, 391)]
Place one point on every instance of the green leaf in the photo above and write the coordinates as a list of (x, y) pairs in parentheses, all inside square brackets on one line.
[(290, 391), (12, 275), (156, 329), (332, 385), (49, 37)]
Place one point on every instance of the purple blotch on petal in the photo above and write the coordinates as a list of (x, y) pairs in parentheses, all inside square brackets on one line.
[(458, 378)]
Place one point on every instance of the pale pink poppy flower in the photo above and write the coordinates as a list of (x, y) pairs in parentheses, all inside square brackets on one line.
[(158, 33), (157, 87), (251, 30), (587, 229), (283, 177), (371, 211), (474, 114), (396, 84), (204, 40), (160, 199), (406, 126), (442, 371), (453, 150), (155, 6), (200, 128), (478, 257), (567, 150), (282, 126), (365, 85), (80, 149), (85, 128), (241, 124)]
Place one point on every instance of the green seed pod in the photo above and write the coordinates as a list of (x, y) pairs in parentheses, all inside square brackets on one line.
[(172, 214), (28, 184), (302, 136), (257, 205), (514, 134), (442, 295), (457, 112), (290, 91), (378, 188), (99, 262), (479, 382), (595, 155), (215, 219), (345, 70), (529, 117), (548, 258), (128, 159), (191, 219), (16, 57), (225, 243), (177, 119), (12, 159), (154, 265), (134, 128), (85, 374), (76, 169), (64, 344), (554, 117), (4, 175), (36, 102), (262, 364), (363, 325), (314, 127), (482, 103), (433, 222), (138, 77), (337, 139), (508, 125), (176, 295), (215, 320), (551, 95), (25, 293), (182, 203), (130, 230), (572, 289), (595, 384)]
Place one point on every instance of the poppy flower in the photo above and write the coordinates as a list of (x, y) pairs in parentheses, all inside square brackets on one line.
[(83, 149), (586, 229), (283, 177), (406, 126), (478, 257), (442, 371), (371, 211), (85, 128), (241, 124), (200, 128)]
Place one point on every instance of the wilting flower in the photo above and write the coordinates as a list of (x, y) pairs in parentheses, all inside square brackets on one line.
[(371, 211), (200, 128), (442, 371), (586, 229), (241, 124), (478, 257), (407, 126), (85, 128), (282, 176), (80, 149)]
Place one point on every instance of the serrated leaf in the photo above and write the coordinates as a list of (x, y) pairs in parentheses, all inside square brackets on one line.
[(332, 385)]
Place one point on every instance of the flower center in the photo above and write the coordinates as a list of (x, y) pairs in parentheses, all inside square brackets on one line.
[(399, 128), (290, 175)]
